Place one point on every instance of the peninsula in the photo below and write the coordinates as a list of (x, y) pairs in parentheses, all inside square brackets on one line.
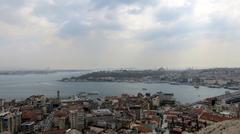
[(213, 78)]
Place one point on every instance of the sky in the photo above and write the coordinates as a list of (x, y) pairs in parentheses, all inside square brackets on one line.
[(89, 34)]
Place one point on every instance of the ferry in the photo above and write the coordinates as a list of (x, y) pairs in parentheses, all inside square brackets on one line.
[(88, 93), (93, 93), (82, 94)]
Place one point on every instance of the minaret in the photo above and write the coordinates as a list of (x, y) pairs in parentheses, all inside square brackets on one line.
[(58, 95), (1, 105)]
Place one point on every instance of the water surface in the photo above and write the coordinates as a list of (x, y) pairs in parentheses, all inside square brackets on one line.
[(22, 86)]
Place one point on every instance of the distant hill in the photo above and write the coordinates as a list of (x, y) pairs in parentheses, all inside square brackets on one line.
[(159, 75)]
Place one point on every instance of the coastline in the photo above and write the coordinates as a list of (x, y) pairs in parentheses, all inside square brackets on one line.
[(155, 82)]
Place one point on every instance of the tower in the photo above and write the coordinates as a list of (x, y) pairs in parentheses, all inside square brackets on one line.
[(58, 95), (1, 105)]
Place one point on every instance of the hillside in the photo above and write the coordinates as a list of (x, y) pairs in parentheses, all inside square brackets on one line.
[(225, 127)]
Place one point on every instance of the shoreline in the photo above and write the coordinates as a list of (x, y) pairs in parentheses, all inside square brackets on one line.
[(156, 82)]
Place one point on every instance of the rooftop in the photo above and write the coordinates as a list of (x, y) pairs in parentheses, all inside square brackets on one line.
[(213, 117), (102, 112)]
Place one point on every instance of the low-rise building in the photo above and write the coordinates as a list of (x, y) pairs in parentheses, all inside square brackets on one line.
[(10, 121), (77, 119)]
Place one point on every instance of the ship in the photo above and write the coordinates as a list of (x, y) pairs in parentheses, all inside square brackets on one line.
[(93, 93)]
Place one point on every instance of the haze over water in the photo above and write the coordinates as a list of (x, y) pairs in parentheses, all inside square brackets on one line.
[(22, 86)]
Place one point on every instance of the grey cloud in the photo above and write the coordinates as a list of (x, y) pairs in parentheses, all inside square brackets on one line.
[(12, 3), (77, 29), (60, 11), (179, 29), (73, 28), (223, 24), (115, 3), (9, 11), (172, 14), (77, 15), (74, 22)]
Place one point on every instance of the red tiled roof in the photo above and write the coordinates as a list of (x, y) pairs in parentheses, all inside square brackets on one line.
[(156, 118), (31, 115), (27, 107), (150, 112), (143, 129), (198, 111), (125, 95), (59, 131), (172, 112), (60, 113), (177, 130), (170, 117)]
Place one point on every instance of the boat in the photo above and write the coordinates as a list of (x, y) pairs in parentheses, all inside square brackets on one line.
[(196, 86), (93, 93), (233, 88), (214, 86), (82, 94), (174, 83), (144, 89)]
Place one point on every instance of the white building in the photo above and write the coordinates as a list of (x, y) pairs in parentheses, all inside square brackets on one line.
[(10, 122), (77, 119), (156, 101)]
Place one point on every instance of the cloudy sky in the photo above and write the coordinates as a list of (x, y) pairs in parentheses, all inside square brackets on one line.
[(80, 34)]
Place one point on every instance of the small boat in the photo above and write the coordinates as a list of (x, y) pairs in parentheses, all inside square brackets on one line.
[(214, 86), (144, 89), (196, 86), (174, 83)]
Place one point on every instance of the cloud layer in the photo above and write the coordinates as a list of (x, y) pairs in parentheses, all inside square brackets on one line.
[(119, 33)]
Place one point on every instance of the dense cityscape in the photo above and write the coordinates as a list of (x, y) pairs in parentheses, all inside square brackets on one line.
[(85, 113)]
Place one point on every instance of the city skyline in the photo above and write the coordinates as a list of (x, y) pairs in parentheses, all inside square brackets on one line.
[(119, 34)]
